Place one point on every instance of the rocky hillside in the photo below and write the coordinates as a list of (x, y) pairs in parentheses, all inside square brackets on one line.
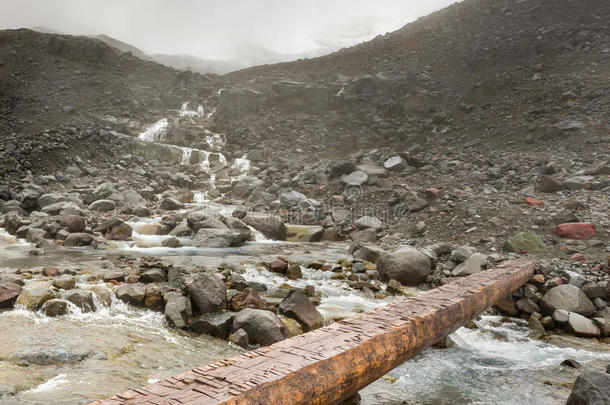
[(60, 89), (498, 71)]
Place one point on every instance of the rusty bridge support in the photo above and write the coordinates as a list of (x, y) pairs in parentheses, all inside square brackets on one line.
[(331, 364)]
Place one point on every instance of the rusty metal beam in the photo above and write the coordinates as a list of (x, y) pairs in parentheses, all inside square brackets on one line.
[(331, 364)]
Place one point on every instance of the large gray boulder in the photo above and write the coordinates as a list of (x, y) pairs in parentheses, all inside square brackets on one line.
[(263, 327), (216, 324), (590, 389), (208, 292), (269, 225), (581, 326), (297, 306), (568, 297), (407, 265), (177, 309), (218, 238), (133, 294), (102, 205), (83, 299)]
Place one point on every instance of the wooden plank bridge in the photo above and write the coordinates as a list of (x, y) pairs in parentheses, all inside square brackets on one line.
[(333, 363)]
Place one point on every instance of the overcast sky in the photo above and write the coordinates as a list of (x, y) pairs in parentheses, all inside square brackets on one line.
[(222, 29)]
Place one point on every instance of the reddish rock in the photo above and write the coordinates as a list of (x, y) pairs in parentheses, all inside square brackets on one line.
[(575, 230), (278, 266), (50, 271), (433, 193), (132, 279), (578, 257), (248, 298), (8, 294), (534, 202)]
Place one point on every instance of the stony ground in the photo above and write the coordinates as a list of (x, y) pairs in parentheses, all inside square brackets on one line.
[(429, 137)]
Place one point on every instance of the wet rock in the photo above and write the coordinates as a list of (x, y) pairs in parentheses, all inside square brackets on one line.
[(269, 225), (296, 305), (278, 266), (154, 297), (35, 235), (34, 298), (217, 238), (9, 292), (472, 265), (115, 229), (527, 241), (182, 230), (548, 184), (83, 299), (171, 204), (208, 292), (293, 328), (394, 287), (65, 282), (248, 298), (114, 275), (177, 309), (527, 306), (133, 294), (569, 298), (240, 338), (590, 389), (55, 307), (303, 233), (46, 356), (365, 252), (262, 327), (604, 325), (216, 324), (103, 206), (581, 326), (407, 265), (154, 275), (78, 239), (50, 271), (171, 243), (294, 272), (199, 219), (575, 231), (74, 223)]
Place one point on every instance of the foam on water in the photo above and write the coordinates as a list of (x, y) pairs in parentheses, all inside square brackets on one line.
[(156, 131), (50, 385)]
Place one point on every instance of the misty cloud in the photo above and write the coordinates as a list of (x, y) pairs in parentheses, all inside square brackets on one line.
[(240, 31)]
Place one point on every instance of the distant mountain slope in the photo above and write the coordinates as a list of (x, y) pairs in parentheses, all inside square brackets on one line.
[(195, 64)]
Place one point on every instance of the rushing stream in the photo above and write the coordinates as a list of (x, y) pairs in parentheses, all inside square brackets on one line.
[(81, 357)]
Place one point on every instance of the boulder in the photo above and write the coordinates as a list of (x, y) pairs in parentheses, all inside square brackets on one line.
[(248, 298), (171, 243), (240, 338), (177, 309), (78, 239), (154, 275), (271, 226), (263, 327), (182, 230), (581, 326), (217, 324), (365, 252), (102, 206), (590, 388), (369, 222), (74, 223), (115, 229), (217, 238), (569, 298), (461, 254), (304, 233), (407, 265), (357, 178), (527, 241), (296, 305), (133, 294), (395, 164), (83, 299), (472, 265), (340, 168), (208, 292), (55, 307), (171, 204), (575, 230), (547, 184), (65, 282), (34, 298), (9, 292)]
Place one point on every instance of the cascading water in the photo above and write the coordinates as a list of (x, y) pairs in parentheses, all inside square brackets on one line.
[(155, 132)]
